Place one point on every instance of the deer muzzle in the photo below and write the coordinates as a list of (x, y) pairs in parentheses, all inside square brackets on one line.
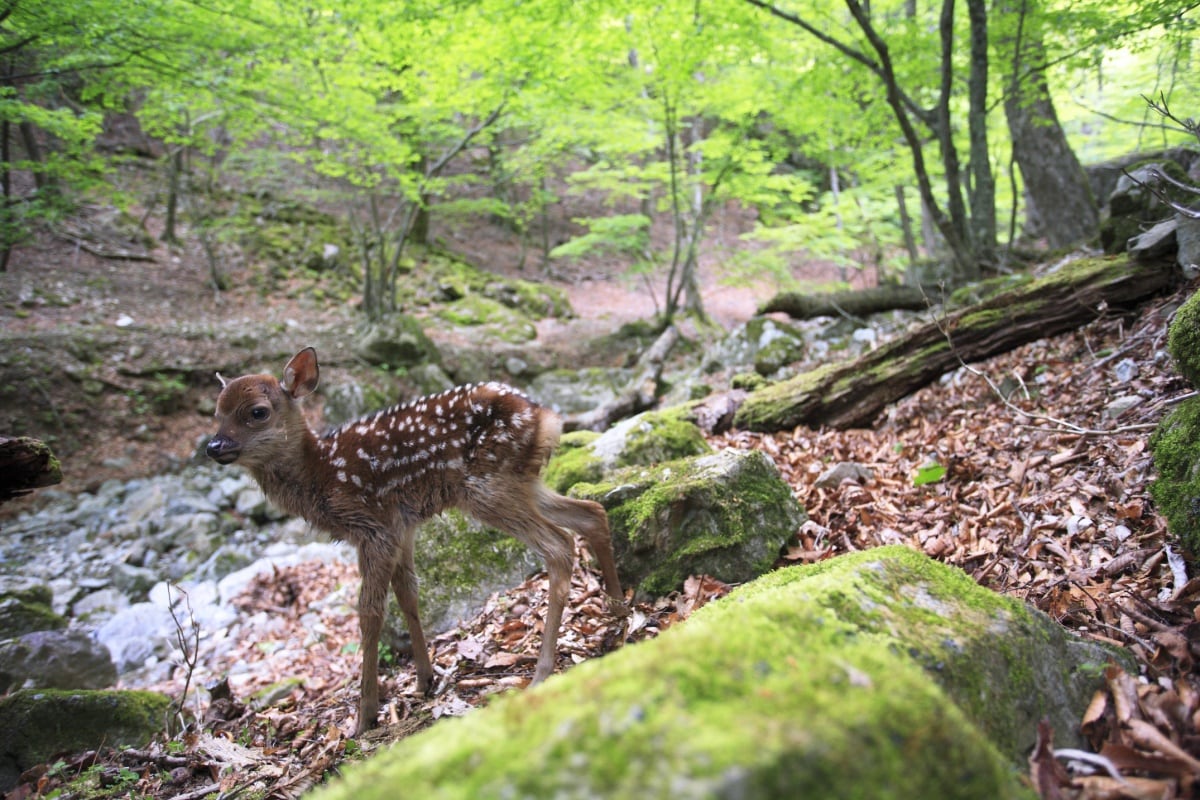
[(223, 450)]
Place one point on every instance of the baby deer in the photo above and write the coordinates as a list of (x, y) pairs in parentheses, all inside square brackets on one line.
[(372, 481)]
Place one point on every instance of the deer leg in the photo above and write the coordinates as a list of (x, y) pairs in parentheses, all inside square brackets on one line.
[(375, 568), (404, 584), (589, 520), (558, 564)]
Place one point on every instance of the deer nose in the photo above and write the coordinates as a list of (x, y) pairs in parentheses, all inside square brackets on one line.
[(222, 450)]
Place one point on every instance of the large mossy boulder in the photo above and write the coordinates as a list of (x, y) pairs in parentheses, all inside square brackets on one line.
[(460, 563), (1176, 442), (648, 438), (726, 514), (37, 724), (880, 674)]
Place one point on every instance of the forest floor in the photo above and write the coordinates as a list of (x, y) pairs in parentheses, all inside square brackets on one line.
[(1045, 499)]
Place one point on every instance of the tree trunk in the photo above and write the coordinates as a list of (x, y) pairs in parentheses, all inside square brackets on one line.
[(982, 191), (861, 303), (853, 394), (1059, 202)]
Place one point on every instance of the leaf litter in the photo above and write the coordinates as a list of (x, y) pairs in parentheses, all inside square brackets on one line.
[(1043, 498)]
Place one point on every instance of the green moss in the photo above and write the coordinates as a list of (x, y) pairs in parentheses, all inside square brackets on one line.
[(37, 724), (724, 515), (649, 438), (476, 310), (978, 292), (442, 278), (1176, 491), (775, 691), (27, 610), (1184, 339), (573, 462)]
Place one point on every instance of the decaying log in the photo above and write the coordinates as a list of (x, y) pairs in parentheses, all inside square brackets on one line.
[(639, 394), (860, 303), (26, 464), (852, 394)]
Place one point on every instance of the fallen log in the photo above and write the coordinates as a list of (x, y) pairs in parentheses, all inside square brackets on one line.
[(640, 394), (26, 464), (858, 304), (852, 394)]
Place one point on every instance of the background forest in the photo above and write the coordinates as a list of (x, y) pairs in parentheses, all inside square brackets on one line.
[(863, 134)]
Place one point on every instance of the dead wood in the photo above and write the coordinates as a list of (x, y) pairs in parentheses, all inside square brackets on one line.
[(640, 394), (858, 304), (852, 394)]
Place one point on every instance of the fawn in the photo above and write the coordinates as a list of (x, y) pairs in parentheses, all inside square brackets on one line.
[(372, 481)]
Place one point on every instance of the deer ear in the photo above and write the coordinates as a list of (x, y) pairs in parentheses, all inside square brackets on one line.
[(223, 380), (301, 375)]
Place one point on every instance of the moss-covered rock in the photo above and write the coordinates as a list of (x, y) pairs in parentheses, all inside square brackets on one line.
[(1176, 490), (460, 562), (502, 322), (398, 341), (762, 342), (37, 724), (649, 438), (445, 279), (27, 610), (570, 391), (1183, 341), (880, 674), (726, 514)]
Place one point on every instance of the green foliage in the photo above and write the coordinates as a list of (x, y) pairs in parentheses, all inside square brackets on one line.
[(620, 234), (661, 112), (929, 473)]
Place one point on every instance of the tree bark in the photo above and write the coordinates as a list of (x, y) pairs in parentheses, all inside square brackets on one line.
[(1059, 202), (852, 394), (861, 303)]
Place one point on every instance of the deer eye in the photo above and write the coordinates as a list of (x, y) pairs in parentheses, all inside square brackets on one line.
[(259, 413)]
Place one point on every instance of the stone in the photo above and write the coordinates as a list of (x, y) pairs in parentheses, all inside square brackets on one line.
[(572, 391), (1157, 242), (726, 515), (460, 563), (877, 674), (397, 341), (55, 660), (648, 438), (136, 634), (1187, 237), (37, 724), (841, 472), (26, 610)]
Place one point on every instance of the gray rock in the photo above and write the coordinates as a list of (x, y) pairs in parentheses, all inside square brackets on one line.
[(1158, 242), (55, 660), (1126, 370), (1187, 236), (136, 634), (571, 391), (397, 341), (726, 515), (843, 471)]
